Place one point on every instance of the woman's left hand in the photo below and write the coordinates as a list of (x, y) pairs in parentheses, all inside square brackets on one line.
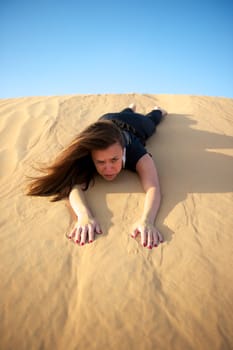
[(150, 236)]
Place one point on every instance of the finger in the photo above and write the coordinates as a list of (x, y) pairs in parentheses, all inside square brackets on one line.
[(98, 229), (84, 235), (77, 237), (144, 237), (71, 234), (155, 239), (161, 240), (158, 238), (150, 239), (91, 235), (135, 233)]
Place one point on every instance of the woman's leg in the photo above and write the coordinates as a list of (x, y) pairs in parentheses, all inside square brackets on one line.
[(156, 115), (131, 108)]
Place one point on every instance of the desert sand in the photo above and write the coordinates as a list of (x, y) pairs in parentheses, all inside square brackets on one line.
[(114, 294)]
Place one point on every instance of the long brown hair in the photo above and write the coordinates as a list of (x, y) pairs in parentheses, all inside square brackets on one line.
[(74, 164)]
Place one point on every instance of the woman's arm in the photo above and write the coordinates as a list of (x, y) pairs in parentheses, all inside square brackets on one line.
[(148, 175), (86, 225)]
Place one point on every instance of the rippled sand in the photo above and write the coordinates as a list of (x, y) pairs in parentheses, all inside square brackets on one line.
[(114, 294)]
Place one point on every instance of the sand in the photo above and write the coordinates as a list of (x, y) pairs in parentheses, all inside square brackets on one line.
[(115, 294)]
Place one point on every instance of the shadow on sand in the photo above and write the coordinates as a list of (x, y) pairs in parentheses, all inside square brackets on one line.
[(192, 162)]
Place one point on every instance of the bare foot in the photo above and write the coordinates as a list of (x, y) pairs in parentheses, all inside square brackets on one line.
[(132, 106), (164, 113)]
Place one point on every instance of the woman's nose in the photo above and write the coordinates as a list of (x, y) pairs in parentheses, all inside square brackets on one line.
[(108, 166)]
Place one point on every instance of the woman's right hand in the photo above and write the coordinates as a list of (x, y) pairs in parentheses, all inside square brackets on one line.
[(84, 230)]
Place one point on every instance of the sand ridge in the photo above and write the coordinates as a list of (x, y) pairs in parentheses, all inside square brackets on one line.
[(114, 294)]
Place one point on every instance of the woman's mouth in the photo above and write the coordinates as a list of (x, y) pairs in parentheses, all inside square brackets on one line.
[(109, 176)]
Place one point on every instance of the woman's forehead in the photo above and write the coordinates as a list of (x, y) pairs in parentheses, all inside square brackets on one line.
[(108, 153)]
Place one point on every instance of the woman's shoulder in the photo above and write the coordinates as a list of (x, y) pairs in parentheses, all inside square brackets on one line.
[(134, 151)]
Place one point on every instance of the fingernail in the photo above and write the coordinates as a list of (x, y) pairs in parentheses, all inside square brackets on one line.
[(155, 245), (144, 244), (150, 247), (132, 236), (77, 241), (82, 243), (90, 241)]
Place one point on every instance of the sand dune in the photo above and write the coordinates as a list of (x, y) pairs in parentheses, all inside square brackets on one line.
[(114, 294)]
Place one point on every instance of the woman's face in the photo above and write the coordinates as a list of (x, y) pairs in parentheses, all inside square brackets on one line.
[(108, 162)]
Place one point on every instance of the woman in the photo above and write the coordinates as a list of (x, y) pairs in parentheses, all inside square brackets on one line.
[(114, 142)]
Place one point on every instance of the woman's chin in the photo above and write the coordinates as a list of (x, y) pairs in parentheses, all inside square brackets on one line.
[(109, 177)]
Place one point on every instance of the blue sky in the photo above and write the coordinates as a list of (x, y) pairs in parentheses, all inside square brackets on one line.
[(94, 47)]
